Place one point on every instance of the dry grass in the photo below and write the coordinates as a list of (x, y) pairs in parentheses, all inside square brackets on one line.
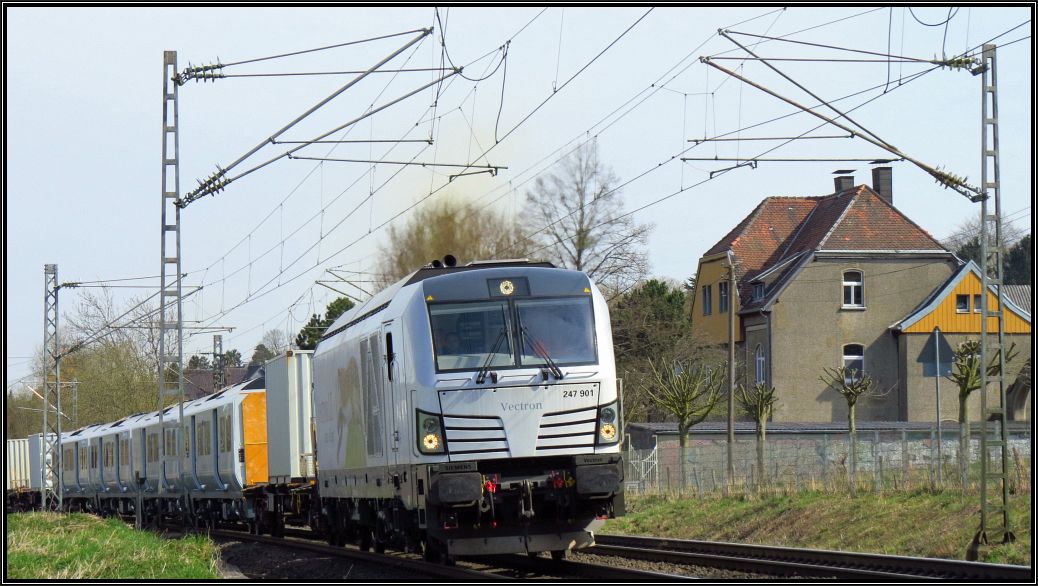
[(921, 523)]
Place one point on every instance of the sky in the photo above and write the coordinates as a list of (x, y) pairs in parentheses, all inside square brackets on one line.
[(83, 123)]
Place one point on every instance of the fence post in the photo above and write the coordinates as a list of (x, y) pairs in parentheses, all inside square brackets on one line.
[(796, 464), (875, 459), (904, 459), (825, 459), (879, 478)]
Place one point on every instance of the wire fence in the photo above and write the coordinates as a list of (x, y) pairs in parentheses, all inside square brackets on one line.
[(886, 460)]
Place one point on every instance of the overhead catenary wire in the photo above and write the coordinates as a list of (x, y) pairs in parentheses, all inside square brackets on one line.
[(219, 180), (375, 228)]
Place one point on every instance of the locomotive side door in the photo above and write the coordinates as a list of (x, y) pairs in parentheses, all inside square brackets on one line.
[(396, 413)]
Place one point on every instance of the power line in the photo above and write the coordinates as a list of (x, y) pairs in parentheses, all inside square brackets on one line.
[(951, 15)]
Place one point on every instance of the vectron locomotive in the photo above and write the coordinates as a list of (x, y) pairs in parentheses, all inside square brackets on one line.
[(474, 409), (463, 410)]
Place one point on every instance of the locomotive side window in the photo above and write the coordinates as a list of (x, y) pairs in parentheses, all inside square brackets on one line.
[(466, 334)]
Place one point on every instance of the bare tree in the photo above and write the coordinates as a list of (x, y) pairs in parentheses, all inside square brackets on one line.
[(584, 227), (758, 403), (966, 376), (449, 227), (275, 340), (968, 231), (688, 391)]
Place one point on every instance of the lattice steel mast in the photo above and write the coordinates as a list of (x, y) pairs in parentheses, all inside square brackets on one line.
[(50, 458), (992, 249), (171, 340)]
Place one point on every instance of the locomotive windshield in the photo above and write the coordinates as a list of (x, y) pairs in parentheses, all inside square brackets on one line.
[(513, 333)]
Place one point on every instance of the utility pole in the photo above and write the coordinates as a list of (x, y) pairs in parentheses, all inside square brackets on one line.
[(937, 389), (731, 369), (171, 340), (991, 255), (50, 457)]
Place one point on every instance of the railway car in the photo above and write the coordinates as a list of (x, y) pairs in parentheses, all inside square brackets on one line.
[(470, 410)]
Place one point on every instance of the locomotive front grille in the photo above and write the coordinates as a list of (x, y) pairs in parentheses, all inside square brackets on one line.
[(475, 435), (567, 430)]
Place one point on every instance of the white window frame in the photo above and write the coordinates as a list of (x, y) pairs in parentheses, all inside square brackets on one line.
[(722, 297), (760, 361), (847, 358), (976, 302), (708, 300), (959, 309), (854, 286)]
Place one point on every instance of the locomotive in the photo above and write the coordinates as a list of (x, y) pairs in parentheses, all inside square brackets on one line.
[(473, 410), (463, 410)]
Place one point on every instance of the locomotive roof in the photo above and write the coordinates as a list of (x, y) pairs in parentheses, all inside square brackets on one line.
[(380, 300)]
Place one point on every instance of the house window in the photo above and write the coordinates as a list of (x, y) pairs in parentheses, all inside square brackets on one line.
[(707, 300), (722, 297), (759, 360), (962, 303), (976, 304), (758, 291), (853, 363), (852, 289)]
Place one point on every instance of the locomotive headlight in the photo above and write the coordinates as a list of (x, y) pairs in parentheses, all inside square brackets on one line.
[(607, 424), (430, 434)]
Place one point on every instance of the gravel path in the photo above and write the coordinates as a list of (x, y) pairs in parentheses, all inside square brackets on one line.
[(694, 571)]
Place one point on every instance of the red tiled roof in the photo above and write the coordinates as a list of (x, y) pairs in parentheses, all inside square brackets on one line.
[(782, 227)]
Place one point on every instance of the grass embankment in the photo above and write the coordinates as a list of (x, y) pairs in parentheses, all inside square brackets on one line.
[(78, 546), (918, 524)]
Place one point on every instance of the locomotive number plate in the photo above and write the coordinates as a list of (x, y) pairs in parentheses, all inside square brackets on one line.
[(578, 393)]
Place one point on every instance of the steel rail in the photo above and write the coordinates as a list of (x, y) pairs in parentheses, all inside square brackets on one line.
[(787, 561)]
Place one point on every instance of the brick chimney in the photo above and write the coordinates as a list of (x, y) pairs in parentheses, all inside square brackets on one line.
[(882, 183), (844, 182)]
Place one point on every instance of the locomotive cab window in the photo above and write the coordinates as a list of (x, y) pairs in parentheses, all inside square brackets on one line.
[(514, 333), (560, 329), (465, 335)]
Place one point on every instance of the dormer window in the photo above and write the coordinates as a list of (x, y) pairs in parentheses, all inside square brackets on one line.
[(853, 288), (758, 291)]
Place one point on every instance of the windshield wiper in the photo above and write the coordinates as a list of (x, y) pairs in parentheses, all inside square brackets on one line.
[(481, 374), (541, 351)]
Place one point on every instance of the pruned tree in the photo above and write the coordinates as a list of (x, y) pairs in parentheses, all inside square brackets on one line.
[(687, 391), (966, 376), (448, 227), (579, 215), (758, 402), (854, 386)]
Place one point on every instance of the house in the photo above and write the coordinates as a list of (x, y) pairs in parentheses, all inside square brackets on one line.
[(831, 281)]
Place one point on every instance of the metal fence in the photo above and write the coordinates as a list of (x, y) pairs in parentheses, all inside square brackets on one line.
[(886, 460)]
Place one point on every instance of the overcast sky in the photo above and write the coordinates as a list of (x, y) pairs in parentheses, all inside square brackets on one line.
[(83, 134)]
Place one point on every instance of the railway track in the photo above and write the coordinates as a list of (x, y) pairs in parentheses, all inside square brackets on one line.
[(793, 562), (469, 568)]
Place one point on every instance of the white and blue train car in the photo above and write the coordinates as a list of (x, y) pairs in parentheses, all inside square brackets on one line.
[(470, 410)]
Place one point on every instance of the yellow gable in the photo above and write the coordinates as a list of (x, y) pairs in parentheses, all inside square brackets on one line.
[(950, 317)]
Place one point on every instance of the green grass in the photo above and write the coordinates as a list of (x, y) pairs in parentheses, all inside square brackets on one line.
[(77, 546), (919, 523)]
